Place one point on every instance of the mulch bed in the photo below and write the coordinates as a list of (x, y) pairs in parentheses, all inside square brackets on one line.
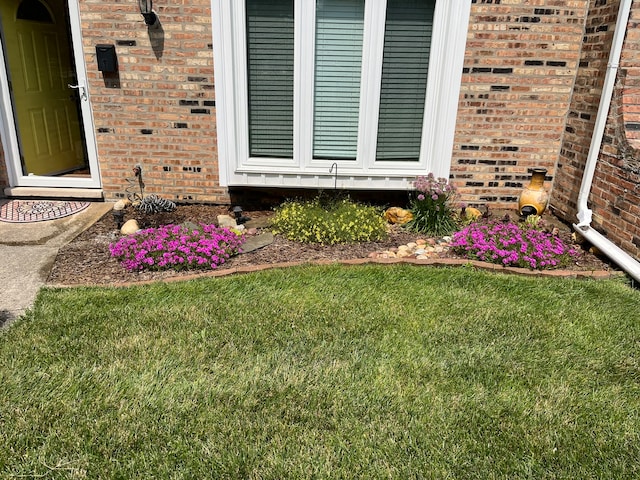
[(87, 261)]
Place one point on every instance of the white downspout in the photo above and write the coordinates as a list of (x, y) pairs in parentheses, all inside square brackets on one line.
[(616, 254)]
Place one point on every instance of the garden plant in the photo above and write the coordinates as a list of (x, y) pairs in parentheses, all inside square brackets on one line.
[(329, 221), (432, 206), (513, 244), (177, 247)]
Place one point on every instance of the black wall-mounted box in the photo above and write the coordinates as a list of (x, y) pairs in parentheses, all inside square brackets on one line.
[(106, 58)]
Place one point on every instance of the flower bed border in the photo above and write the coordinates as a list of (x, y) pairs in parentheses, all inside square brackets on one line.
[(435, 262)]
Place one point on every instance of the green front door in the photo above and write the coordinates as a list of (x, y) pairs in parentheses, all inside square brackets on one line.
[(41, 70)]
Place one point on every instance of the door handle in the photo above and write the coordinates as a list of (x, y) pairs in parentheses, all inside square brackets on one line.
[(83, 91)]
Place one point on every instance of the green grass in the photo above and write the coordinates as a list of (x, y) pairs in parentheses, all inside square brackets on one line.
[(326, 372)]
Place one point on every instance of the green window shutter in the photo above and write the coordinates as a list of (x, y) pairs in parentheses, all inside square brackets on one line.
[(338, 66), (270, 30), (405, 65)]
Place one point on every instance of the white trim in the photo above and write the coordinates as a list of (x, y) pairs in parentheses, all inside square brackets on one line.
[(85, 104), (10, 142), (443, 87), (304, 69), (8, 129), (373, 45)]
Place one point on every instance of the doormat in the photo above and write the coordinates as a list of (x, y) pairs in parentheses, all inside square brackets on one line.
[(26, 211)]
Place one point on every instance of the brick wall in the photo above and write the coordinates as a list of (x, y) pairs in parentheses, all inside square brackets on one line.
[(584, 106), (615, 193), (159, 109), (520, 66)]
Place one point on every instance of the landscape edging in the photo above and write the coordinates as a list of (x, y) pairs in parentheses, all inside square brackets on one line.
[(437, 262)]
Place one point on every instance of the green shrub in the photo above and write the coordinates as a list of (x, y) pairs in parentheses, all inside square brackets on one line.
[(329, 222)]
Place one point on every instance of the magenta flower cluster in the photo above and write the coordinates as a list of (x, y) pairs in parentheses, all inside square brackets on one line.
[(176, 247), (510, 244)]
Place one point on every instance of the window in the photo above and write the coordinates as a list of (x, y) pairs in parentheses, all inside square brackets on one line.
[(370, 85), (405, 67), (34, 11), (270, 77), (338, 69)]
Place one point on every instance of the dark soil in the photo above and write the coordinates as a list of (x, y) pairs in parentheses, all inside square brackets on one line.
[(87, 261)]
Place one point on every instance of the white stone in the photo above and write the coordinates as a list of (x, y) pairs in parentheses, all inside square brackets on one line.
[(227, 221), (121, 205), (130, 227)]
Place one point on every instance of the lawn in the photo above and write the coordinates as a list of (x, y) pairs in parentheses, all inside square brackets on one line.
[(326, 372)]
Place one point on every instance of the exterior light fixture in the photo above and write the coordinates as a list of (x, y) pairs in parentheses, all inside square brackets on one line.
[(118, 216), (240, 219), (146, 9)]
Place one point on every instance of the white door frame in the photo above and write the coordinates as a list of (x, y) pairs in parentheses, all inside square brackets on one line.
[(8, 129)]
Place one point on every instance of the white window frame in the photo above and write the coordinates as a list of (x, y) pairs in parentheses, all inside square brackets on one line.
[(238, 168)]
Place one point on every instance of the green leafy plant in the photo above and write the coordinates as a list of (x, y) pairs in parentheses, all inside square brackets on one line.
[(432, 206), (329, 221)]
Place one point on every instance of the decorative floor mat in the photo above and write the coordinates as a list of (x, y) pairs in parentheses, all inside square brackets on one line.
[(26, 211)]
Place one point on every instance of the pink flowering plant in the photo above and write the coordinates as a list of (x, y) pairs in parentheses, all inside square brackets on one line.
[(510, 244), (432, 206), (177, 247)]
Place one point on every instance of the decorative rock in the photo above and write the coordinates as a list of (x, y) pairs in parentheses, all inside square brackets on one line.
[(190, 225), (257, 241), (471, 213), (121, 204), (227, 221), (130, 227), (420, 249), (251, 231), (398, 215), (260, 222)]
